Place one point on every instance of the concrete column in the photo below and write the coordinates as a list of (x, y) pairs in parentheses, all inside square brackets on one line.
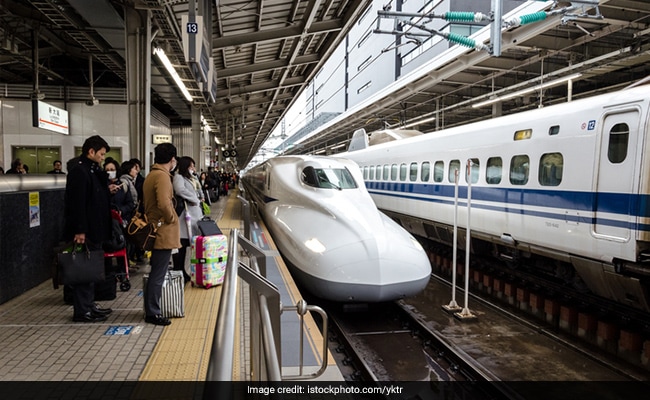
[(197, 134), (138, 84)]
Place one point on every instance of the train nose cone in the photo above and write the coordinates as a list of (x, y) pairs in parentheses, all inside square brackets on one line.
[(388, 266)]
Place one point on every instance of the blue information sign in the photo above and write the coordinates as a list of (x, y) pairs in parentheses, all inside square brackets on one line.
[(116, 330)]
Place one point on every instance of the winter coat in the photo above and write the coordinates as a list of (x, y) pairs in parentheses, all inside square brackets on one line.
[(158, 193), (187, 190), (87, 202), (123, 200)]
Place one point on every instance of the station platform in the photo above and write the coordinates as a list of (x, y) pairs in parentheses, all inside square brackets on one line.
[(42, 343)]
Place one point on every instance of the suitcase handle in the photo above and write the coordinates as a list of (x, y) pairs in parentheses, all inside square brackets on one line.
[(207, 260)]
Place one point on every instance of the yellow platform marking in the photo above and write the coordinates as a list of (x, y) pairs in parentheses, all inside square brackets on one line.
[(183, 350)]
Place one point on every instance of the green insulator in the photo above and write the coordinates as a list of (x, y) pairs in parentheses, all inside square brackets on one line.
[(462, 40), (536, 17), (459, 16)]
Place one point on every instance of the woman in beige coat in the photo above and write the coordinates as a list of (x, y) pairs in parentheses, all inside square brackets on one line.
[(158, 193)]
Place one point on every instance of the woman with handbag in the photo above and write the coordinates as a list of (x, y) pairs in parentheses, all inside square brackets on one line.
[(158, 195), (187, 190)]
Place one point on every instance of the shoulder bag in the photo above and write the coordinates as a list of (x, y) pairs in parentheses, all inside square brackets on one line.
[(79, 265), (142, 233)]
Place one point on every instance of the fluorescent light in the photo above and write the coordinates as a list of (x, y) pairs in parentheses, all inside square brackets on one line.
[(418, 122), (527, 90), (172, 71)]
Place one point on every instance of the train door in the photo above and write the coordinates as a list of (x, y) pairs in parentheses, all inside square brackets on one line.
[(616, 174)]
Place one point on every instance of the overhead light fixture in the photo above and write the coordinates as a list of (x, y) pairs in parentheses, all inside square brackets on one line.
[(422, 121), (172, 71), (527, 90)]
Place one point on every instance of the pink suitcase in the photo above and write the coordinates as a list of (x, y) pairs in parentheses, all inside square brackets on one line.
[(208, 260)]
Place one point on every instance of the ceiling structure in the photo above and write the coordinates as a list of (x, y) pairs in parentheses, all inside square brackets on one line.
[(266, 51), (609, 46)]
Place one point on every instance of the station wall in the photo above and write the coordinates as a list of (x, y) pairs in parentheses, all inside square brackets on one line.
[(107, 120)]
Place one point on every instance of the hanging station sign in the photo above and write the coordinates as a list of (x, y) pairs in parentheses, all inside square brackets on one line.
[(46, 116)]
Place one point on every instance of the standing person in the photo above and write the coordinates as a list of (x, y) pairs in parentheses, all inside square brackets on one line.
[(158, 194), (203, 180), (213, 184), (139, 179), (56, 168), (188, 189), (88, 218), (127, 175), (122, 199), (137, 255)]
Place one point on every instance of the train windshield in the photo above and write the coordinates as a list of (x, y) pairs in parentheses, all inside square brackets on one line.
[(328, 178)]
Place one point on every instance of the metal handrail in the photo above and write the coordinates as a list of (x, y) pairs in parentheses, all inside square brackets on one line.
[(265, 315), (223, 344), (301, 309)]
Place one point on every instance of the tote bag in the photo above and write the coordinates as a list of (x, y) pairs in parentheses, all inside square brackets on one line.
[(79, 265), (172, 301)]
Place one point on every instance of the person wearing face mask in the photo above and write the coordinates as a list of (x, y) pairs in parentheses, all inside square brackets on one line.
[(188, 189), (121, 200)]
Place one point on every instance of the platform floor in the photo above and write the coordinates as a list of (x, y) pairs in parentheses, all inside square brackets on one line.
[(42, 343)]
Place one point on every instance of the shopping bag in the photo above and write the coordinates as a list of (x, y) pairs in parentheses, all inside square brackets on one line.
[(79, 265), (172, 301), (142, 233)]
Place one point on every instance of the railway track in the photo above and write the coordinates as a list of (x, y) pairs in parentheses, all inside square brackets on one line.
[(414, 343), (554, 305), (396, 348)]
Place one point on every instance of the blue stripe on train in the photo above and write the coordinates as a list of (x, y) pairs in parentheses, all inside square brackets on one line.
[(615, 203)]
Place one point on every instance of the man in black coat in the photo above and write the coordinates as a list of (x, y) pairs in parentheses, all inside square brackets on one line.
[(88, 217)]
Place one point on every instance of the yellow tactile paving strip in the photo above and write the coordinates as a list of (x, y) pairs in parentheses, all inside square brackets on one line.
[(183, 350)]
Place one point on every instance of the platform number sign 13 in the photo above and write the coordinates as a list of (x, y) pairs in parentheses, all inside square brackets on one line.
[(193, 28)]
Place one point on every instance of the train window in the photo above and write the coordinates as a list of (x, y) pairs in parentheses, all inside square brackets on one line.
[(493, 170), (523, 134), (454, 165), (371, 173), (554, 130), (476, 164), (378, 172), (618, 141), (413, 172), (365, 173), (393, 172), (519, 168), (386, 172), (328, 178), (425, 171), (550, 169), (438, 171), (402, 172)]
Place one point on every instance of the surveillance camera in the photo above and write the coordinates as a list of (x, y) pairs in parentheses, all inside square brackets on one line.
[(92, 102)]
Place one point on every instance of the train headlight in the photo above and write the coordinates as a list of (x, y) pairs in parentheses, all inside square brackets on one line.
[(315, 245)]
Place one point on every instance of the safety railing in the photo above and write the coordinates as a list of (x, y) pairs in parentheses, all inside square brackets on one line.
[(265, 310)]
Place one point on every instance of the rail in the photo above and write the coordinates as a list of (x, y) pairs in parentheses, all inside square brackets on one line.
[(31, 182), (265, 310)]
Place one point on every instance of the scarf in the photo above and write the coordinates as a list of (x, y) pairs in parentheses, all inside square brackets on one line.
[(128, 183)]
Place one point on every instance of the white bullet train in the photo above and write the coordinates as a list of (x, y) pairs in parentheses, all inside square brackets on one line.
[(568, 183), (337, 244)]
